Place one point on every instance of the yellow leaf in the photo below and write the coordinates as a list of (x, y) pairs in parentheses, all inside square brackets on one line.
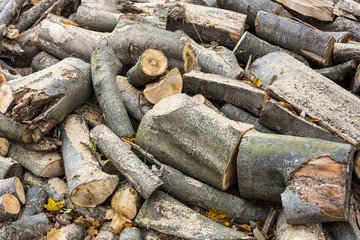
[(68, 23), (92, 232), (216, 215), (129, 139), (55, 235), (118, 222), (257, 82), (53, 206)]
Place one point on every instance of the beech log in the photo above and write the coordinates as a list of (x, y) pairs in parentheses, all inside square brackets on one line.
[(9, 168), (342, 37), (130, 233), (355, 82), (346, 51), (106, 232), (91, 113), (9, 207), (124, 201), (43, 60), (338, 72), (13, 186), (35, 200)]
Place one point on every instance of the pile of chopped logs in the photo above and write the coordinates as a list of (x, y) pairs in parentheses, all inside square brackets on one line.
[(188, 119)]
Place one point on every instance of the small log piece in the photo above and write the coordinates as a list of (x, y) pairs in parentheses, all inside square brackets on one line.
[(135, 171), (242, 94), (88, 185), (9, 168), (13, 186), (104, 68), (355, 82), (9, 207), (106, 232), (151, 64), (348, 9), (342, 37), (167, 85), (4, 147), (35, 200), (72, 231), (130, 233), (124, 201), (43, 60), (160, 208), (42, 164), (346, 51), (14, 131), (338, 72), (185, 134), (296, 37)]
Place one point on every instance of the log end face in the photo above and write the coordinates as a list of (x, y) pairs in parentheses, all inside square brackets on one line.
[(55, 169), (153, 62), (11, 204), (19, 189)]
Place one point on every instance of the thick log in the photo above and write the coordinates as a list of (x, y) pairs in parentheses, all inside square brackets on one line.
[(234, 113), (151, 64), (42, 164), (250, 45), (106, 232), (355, 82), (9, 207), (338, 72), (14, 131), (27, 228), (43, 60), (306, 169), (130, 233), (160, 208), (55, 187), (348, 9), (242, 94), (35, 200), (283, 120), (207, 103), (187, 135), (285, 231), (104, 68), (296, 37), (13, 186), (45, 98), (346, 51), (135, 171), (251, 8), (91, 113), (9, 168), (333, 107), (124, 201), (342, 37), (88, 185), (72, 231)]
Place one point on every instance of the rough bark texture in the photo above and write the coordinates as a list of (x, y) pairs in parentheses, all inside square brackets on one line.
[(191, 137), (14, 131), (72, 231), (106, 232), (35, 200), (348, 8), (14, 186), (355, 82), (161, 212), (338, 73), (342, 37), (9, 168), (9, 207), (104, 68), (346, 51), (135, 171), (88, 184), (43, 60)]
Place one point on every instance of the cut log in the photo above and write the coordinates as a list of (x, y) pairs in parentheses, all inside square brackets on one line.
[(35, 200), (342, 37), (124, 201), (234, 113), (104, 68), (9, 207), (9, 168), (207, 103), (285, 231), (344, 24), (283, 120), (27, 228), (250, 45), (160, 208), (338, 73), (88, 185), (251, 8), (43, 60), (6, 15), (45, 98), (55, 187), (296, 37), (72, 231), (242, 94), (106, 232), (42, 164), (135, 103), (355, 82), (91, 113), (14, 131), (191, 137), (4, 146), (13, 186), (333, 107), (130, 233), (348, 9), (167, 85), (346, 51), (6, 94), (151, 64), (135, 171), (306, 169)]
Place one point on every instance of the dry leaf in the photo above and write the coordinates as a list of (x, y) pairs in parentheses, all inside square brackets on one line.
[(55, 235), (53, 206), (92, 232), (118, 222), (219, 216), (87, 222), (257, 82)]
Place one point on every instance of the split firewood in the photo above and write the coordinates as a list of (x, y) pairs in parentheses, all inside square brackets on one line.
[(151, 64), (42, 164), (355, 82), (43, 60), (160, 208), (342, 37), (242, 94), (348, 9), (167, 85), (106, 232), (285, 231), (124, 201), (14, 131), (71, 231), (43, 99), (130, 233), (322, 163), (282, 119), (298, 37), (55, 187), (192, 144), (9, 168), (13, 186), (250, 45), (6, 15), (135, 103), (135, 171), (338, 108), (88, 184), (346, 51), (27, 228), (9, 207), (35, 200), (338, 72), (104, 68)]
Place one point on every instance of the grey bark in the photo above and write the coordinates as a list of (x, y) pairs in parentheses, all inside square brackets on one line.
[(43, 60), (338, 72), (130, 233), (9, 168), (346, 51), (35, 200), (13, 186)]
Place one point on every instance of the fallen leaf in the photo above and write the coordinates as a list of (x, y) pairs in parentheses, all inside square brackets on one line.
[(87, 222), (216, 215), (92, 232), (55, 235), (118, 222), (257, 82), (53, 206)]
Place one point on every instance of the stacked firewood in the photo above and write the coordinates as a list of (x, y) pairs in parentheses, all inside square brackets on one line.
[(192, 119)]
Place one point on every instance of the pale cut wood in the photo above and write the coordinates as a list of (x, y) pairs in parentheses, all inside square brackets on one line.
[(348, 8), (124, 201), (9, 168), (167, 85), (91, 113), (9, 207), (4, 146), (14, 186), (6, 94)]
